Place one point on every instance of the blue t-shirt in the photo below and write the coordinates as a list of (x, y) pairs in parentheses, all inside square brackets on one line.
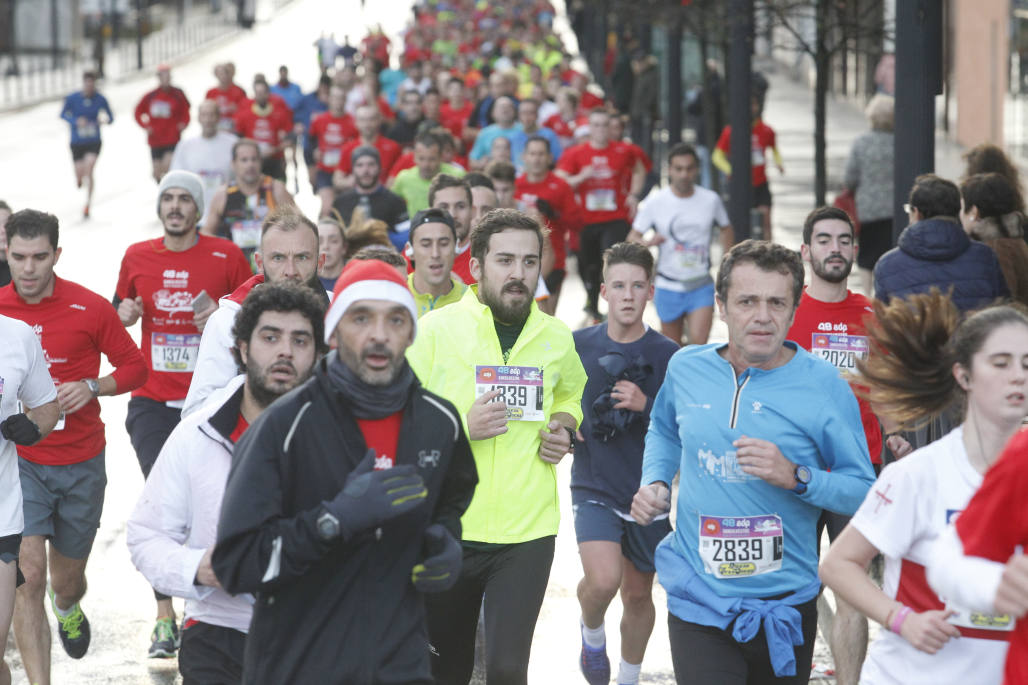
[(290, 93), (77, 106), (484, 141), (518, 140), (609, 471)]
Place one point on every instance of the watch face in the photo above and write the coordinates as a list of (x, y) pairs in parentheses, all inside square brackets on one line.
[(328, 527), (803, 474)]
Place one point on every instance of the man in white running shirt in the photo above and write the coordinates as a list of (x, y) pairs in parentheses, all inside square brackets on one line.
[(208, 155)]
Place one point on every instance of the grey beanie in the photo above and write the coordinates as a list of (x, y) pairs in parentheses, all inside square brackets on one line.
[(365, 151), (187, 181)]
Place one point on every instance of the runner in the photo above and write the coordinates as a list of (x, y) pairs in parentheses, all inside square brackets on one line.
[(920, 360), (540, 190), (408, 119), (330, 131), (743, 550), (502, 175), (172, 285), (331, 249), (683, 217), (454, 196), (208, 155), (229, 96), (625, 361), (830, 323), (369, 123), (62, 477), (268, 121), (288, 254), (506, 126), (171, 533), (455, 110), (349, 488), (412, 184), (508, 541), (29, 411), (310, 106), (82, 112), (528, 126), (238, 210), (164, 113), (602, 176), (374, 200), (566, 120), (433, 237), (286, 89)]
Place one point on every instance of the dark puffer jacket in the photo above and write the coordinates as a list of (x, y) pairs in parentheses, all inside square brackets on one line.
[(938, 253)]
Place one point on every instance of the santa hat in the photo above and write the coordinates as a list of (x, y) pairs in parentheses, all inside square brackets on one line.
[(367, 279)]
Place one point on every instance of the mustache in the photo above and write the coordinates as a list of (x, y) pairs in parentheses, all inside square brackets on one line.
[(515, 287), (377, 349), (282, 366)]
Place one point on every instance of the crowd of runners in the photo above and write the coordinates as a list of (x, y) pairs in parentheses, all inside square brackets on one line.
[(349, 425)]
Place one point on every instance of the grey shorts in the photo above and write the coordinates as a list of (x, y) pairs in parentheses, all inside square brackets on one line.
[(64, 503), (596, 521)]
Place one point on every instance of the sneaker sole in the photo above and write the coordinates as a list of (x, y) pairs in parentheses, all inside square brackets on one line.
[(161, 654)]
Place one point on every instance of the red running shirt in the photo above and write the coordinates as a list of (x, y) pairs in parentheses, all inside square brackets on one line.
[(382, 435), (455, 119), (462, 266), (332, 133), (761, 139), (75, 326), (994, 524), (602, 196), (164, 113), (229, 101), (168, 282), (268, 126), (559, 195), (388, 151)]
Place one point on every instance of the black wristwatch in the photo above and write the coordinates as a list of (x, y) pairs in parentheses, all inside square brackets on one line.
[(802, 475), (328, 526), (571, 435)]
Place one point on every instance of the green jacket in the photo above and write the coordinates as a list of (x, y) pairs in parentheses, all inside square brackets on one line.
[(516, 497), (427, 303)]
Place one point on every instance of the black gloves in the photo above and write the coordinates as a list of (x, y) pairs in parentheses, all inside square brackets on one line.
[(441, 567), (20, 429), (371, 497)]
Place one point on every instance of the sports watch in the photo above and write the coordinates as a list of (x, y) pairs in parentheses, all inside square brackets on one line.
[(93, 384), (328, 526), (802, 475), (571, 435)]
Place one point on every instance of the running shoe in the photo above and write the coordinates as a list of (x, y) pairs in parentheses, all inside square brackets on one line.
[(595, 665), (73, 629), (164, 639)]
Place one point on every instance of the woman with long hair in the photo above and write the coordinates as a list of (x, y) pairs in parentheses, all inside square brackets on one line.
[(922, 358)]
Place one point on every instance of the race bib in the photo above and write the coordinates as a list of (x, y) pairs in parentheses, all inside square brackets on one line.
[(330, 158), (246, 234), (160, 110), (601, 200), (690, 258), (741, 547), (175, 353), (965, 618), (840, 350), (87, 130), (521, 389)]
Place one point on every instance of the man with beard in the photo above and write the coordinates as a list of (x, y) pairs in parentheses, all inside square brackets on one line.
[(453, 195), (369, 123), (517, 381), (374, 199), (172, 285), (683, 217), (279, 333), (289, 253), (830, 323), (344, 502)]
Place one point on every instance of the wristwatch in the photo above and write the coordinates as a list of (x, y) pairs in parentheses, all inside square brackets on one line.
[(93, 384), (328, 526), (571, 435), (802, 475)]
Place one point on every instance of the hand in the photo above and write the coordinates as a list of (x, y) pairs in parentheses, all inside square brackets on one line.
[(657, 239), (764, 460), (370, 498), (200, 317), (632, 203), (928, 630), (650, 502), (130, 310), (441, 567), (73, 396), (487, 419), (205, 573), (20, 429), (898, 445), (629, 396), (1012, 595), (554, 442)]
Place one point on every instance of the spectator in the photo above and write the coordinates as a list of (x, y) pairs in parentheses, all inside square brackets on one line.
[(990, 215)]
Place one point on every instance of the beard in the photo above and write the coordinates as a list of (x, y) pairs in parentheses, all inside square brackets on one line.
[(264, 391), (376, 377), (508, 313), (821, 269)]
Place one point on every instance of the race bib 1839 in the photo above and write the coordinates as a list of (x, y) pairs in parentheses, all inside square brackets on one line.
[(521, 389), (176, 353), (741, 547)]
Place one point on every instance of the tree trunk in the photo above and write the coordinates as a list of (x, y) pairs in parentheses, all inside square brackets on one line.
[(821, 65)]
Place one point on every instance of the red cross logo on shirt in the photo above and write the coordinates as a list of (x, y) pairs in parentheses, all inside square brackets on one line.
[(882, 498)]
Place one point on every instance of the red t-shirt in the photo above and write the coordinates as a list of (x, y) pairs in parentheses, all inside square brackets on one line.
[(637, 154), (332, 133), (462, 266), (555, 191), (75, 326), (168, 282), (602, 196), (835, 332), (229, 101), (388, 151), (164, 113), (455, 119), (237, 432), (761, 139), (382, 436), (404, 161), (565, 130), (994, 524), (268, 126)]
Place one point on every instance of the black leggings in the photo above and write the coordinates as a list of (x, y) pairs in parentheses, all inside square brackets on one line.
[(513, 580), (595, 239), (211, 654), (703, 655)]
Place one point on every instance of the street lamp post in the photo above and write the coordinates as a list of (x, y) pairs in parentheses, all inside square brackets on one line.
[(740, 66)]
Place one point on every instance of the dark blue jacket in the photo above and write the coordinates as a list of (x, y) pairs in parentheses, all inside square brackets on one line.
[(938, 253)]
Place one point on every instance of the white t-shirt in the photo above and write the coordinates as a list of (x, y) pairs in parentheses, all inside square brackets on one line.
[(208, 158), (23, 376), (687, 225), (907, 508)]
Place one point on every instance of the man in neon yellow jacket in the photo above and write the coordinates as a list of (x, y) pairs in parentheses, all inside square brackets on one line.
[(514, 376)]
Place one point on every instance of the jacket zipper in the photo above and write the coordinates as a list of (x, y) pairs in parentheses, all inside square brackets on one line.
[(735, 400)]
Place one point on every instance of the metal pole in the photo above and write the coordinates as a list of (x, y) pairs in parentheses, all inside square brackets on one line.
[(740, 56), (54, 35), (918, 81), (674, 73), (139, 34)]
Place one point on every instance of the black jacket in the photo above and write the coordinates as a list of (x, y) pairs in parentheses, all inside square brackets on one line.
[(334, 612)]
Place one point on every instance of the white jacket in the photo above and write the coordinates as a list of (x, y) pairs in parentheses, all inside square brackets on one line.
[(215, 365), (176, 518)]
